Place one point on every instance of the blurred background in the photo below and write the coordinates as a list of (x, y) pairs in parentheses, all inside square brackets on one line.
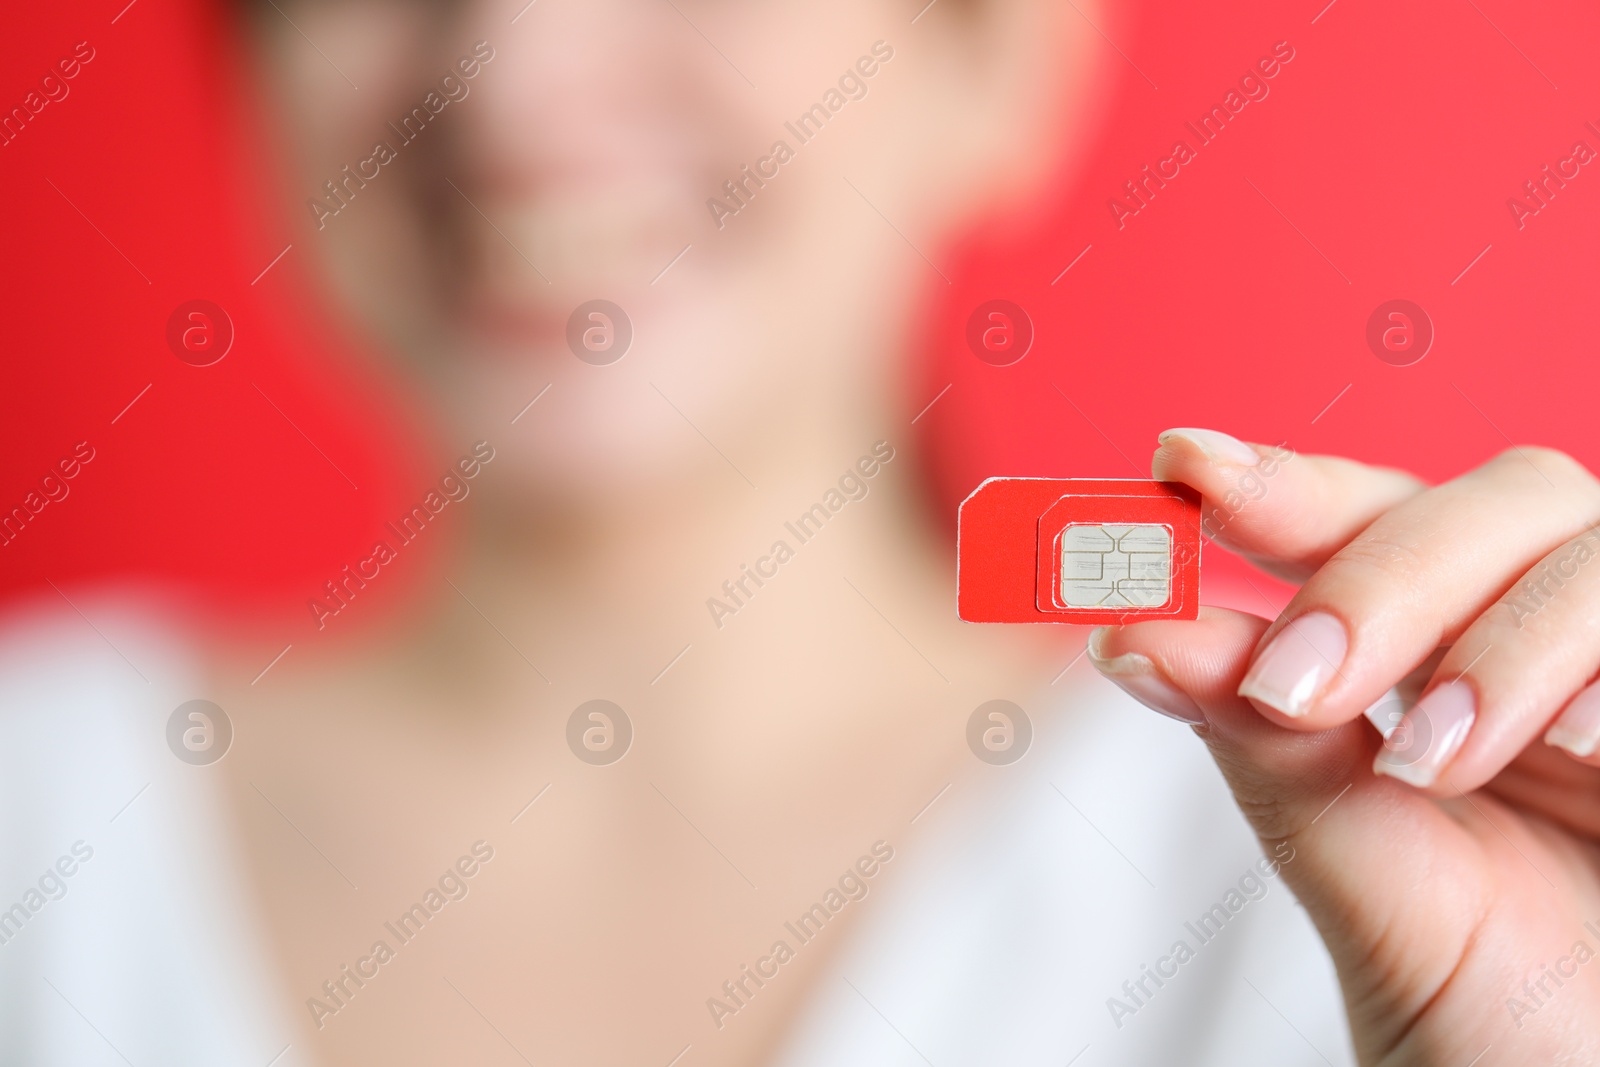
[(1386, 252), (1378, 168)]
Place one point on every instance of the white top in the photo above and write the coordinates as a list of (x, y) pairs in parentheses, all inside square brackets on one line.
[(1016, 906), (144, 954), (1023, 908)]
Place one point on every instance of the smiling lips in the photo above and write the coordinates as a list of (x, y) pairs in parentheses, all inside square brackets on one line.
[(539, 255)]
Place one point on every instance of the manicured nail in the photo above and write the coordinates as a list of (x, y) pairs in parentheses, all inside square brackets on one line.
[(1137, 676), (1297, 663), (1578, 728), (1218, 446), (1429, 735)]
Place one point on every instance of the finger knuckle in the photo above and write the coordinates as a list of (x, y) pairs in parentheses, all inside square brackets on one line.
[(1543, 463), (1270, 817), (1504, 620), (1261, 799), (1376, 556)]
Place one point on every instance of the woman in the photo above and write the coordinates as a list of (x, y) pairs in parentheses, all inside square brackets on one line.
[(551, 879)]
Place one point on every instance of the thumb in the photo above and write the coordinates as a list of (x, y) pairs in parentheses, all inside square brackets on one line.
[(1359, 848)]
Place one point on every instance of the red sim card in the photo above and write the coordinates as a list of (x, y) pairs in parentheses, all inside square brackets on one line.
[(1078, 550)]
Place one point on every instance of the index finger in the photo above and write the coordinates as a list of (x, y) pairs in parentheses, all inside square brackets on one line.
[(1287, 513)]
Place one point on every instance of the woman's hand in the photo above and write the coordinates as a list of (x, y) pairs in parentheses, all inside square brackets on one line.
[(1454, 870)]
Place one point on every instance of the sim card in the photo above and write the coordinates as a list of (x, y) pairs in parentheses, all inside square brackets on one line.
[(1078, 550)]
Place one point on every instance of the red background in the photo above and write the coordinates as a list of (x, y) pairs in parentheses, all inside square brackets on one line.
[(1388, 146)]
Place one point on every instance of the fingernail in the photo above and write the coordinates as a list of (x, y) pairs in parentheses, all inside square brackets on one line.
[(1578, 728), (1137, 676), (1297, 663), (1217, 445), (1429, 735)]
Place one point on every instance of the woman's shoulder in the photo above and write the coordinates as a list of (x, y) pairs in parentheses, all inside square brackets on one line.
[(119, 897), (59, 644), (84, 679)]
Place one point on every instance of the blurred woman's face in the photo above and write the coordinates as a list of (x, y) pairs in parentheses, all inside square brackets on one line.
[(509, 162)]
